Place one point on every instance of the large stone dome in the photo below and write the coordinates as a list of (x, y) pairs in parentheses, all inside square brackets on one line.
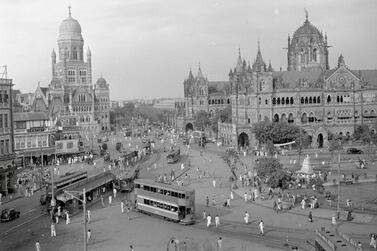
[(70, 29), (307, 30)]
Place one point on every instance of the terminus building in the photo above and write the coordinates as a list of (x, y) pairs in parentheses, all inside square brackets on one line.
[(310, 93)]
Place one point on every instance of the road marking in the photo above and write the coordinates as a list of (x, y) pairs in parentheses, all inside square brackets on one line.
[(19, 225), (31, 210)]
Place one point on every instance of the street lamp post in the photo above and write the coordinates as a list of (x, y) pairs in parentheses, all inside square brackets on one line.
[(84, 214), (338, 206)]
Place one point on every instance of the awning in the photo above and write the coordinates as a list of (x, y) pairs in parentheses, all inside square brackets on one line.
[(93, 183), (64, 197)]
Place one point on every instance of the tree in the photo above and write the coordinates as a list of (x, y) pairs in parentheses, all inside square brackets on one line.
[(232, 158), (202, 120), (223, 116), (266, 166), (281, 178), (104, 146)]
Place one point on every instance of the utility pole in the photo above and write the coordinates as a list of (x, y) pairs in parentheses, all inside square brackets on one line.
[(83, 201), (338, 206)]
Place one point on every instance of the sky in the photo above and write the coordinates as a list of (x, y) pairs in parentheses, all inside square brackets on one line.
[(145, 48)]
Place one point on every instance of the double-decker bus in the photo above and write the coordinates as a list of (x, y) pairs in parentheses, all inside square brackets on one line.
[(174, 203), (173, 155)]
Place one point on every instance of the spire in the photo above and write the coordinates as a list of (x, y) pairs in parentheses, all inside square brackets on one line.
[(239, 61), (306, 15), (200, 74), (270, 69), (191, 76), (341, 61), (259, 64), (69, 10)]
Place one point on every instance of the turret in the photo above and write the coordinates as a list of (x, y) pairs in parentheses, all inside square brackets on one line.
[(341, 61)]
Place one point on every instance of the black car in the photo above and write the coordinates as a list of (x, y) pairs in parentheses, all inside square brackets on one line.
[(9, 214), (354, 151)]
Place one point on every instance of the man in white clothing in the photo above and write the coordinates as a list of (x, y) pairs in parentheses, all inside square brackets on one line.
[(261, 227), (246, 218), (115, 192), (209, 218), (110, 200), (53, 230), (122, 206), (217, 221)]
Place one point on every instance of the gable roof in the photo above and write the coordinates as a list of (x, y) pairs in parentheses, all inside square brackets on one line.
[(291, 78)]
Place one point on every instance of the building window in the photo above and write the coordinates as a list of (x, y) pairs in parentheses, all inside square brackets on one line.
[(6, 121), (74, 54), (1, 120), (71, 80), (6, 147), (82, 73), (5, 97), (1, 96), (83, 80), (2, 147), (71, 73)]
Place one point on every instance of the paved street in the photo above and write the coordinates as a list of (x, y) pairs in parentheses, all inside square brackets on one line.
[(109, 228)]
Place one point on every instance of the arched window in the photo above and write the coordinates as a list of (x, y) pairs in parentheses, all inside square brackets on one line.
[(292, 100), (310, 100), (276, 117), (278, 102), (213, 101), (318, 99), (314, 100), (304, 118), (315, 55), (222, 101), (283, 117), (302, 100), (282, 101), (306, 100), (290, 118), (274, 101), (328, 99), (209, 101), (287, 100), (74, 54), (228, 101), (311, 117)]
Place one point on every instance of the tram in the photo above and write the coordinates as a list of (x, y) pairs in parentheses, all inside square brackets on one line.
[(168, 201)]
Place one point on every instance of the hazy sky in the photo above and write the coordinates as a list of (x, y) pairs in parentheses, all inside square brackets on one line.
[(144, 48)]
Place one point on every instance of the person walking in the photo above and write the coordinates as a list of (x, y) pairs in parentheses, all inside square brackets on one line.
[(122, 206), (89, 235), (53, 230), (219, 243), (310, 217), (207, 201), (37, 246), (89, 213), (261, 227), (217, 221), (245, 196), (214, 183), (209, 218), (213, 200), (231, 195), (246, 218), (228, 202), (128, 211), (67, 219), (204, 215), (110, 200), (303, 204), (115, 192), (59, 212)]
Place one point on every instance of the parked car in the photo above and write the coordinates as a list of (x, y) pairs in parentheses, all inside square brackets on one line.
[(9, 214), (354, 151)]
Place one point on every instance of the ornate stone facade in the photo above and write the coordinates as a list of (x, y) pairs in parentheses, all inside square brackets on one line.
[(309, 93)]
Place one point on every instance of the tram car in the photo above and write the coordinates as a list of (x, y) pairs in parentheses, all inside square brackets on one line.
[(171, 202)]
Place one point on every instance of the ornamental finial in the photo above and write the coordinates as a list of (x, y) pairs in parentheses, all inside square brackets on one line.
[(306, 14)]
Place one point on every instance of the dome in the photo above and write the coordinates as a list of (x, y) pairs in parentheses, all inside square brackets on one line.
[(70, 29), (307, 30), (101, 81)]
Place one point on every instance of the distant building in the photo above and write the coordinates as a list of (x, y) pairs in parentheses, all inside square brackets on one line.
[(33, 138), (8, 176)]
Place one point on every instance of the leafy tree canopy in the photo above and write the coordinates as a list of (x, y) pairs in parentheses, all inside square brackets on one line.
[(202, 120)]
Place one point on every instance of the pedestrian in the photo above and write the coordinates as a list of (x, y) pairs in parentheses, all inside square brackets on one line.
[(89, 215), (261, 227), (231, 195), (89, 235), (245, 196), (213, 200), (53, 230), (310, 217), (56, 218), (110, 200), (37, 246), (209, 220), (246, 218), (219, 243), (102, 202), (132, 248), (373, 242), (204, 215), (274, 206), (122, 206), (67, 219), (359, 246), (214, 183), (207, 201), (217, 221), (115, 192), (128, 211), (228, 202), (303, 204)]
